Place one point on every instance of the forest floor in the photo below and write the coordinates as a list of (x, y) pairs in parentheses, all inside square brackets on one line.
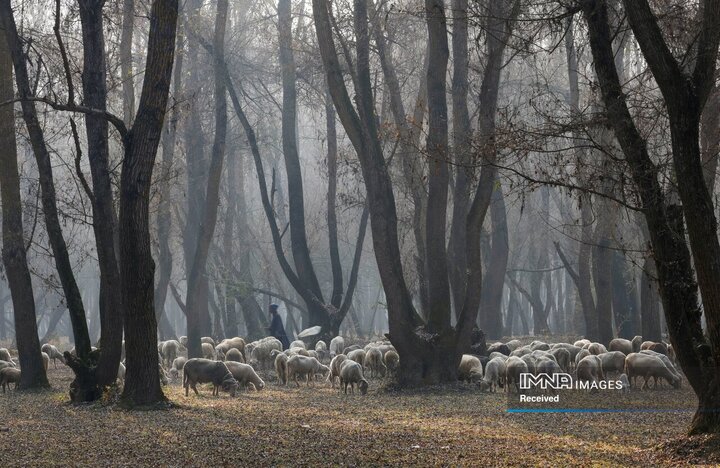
[(443, 426)]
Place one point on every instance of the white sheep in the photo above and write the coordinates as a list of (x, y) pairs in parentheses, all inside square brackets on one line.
[(351, 373), (647, 365), (177, 367), (5, 355), (622, 345), (470, 368), (54, 353), (258, 352), (208, 351), (245, 375), (392, 361), (612, 361), (298, 344), (303, 366), (46, 360), (514, 366), (281, 360), (374, 362), (335, 365), (337, 344), (357, 355), (234, 354), (320, 346), (9, 375), (494, 375)]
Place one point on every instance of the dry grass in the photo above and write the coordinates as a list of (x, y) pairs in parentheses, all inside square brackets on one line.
[(449, 426)]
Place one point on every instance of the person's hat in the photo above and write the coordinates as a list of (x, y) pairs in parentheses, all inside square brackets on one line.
[(274, 306)]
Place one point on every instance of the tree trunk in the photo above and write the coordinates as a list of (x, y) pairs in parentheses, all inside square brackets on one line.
[(197, 292), (95, 96), (436, 145), (462, 135), (164, 217), (126, 61), (649, 302), (14, 255), (336, 266), (493, 282), (142, 384), (296, 205)]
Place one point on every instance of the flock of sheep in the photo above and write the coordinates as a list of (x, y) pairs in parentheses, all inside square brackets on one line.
[(233, 364), (591, 363)]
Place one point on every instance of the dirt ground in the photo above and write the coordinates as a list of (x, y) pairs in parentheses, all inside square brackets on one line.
[(445, 426)]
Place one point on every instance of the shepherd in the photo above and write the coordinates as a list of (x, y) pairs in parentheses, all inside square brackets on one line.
[(276, 326)]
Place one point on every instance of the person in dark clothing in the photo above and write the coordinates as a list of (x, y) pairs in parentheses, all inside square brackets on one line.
[(276, 327)]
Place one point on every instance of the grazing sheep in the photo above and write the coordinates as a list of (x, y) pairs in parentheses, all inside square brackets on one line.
[(46, 360), (183, 340), (590, 369), (582, 343), (320, 346), (177, 366), (337, 344), (659, 348), (514, 366), (245, 375), (298, 344), (622, 345), (4, 364), (5, 355), (612, 361), (208, 351), (531, 362), (501, 348), (303, 366), (53, 352), (647, 365), (580, 355), (208, 340), (539, 346), (513, 345), (470, 369), (624, 383), (495, 354), (295, 351), (562, 357), (229, 343), (234, 354), (666, 360), (169, 351), (374, 361), (521, 351), (281, 360), (392, 361), (351, 373), (9, 375), (335, 364), (121, 372), (596, 348), (636, 343), (494, 375), (199, 370), (257, 353), (357, 355)]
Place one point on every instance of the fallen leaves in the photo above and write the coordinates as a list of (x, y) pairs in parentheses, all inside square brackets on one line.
[(440, 426)]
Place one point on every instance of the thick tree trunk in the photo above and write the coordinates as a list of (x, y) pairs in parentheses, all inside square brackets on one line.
[(649, 302), (624, 308), (336, 266), (438, 316), (142, 384), (13, 240), (126, 61), (95, 96), (47, 185)]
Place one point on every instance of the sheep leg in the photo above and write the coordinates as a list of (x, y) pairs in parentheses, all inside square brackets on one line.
[(645, 384)]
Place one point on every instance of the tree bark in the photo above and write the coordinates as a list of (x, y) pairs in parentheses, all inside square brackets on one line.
[(14, 256), (436, 146), (493, 282), (95, 96), (126, 61), (142, 384), (336, 266)]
